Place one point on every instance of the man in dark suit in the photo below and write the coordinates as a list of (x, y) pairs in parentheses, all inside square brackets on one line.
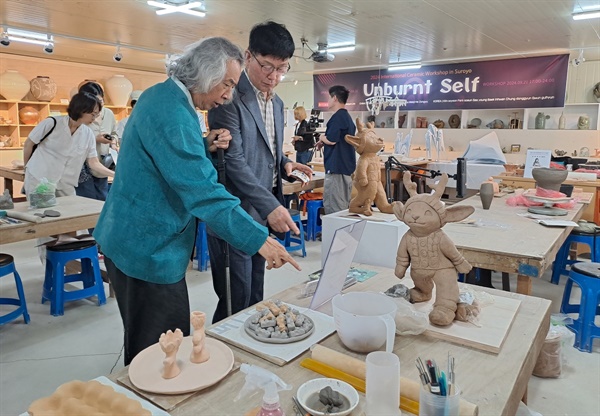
[(255, 164)]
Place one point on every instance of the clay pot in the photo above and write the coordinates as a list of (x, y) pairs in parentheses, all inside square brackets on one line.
[(454, 121), (43, 88), (548, 178), (439, 124), (119, 89), (13, 86), (29, 115)]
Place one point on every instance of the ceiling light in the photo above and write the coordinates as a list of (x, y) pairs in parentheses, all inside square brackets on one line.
[(340, 48), (27, 37), (118, 56), (400, 67), (183, 8), (592, 14), (5, 41)]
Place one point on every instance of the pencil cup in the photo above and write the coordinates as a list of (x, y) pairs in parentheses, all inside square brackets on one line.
[(435, 405), (383, 384)]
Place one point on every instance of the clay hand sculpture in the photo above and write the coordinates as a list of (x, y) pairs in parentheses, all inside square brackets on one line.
[(169, 342), (199, 352), (367, 176), (429, 251)]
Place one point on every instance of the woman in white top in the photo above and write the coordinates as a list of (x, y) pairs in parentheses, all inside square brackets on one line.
[(61, 154), (95, 185)]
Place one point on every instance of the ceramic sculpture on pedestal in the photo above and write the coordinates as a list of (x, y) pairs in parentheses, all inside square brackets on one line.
[(429, 252), (43, 88), (119, 89), (199, 353), (367, 176), (169, 342), (13, 86)]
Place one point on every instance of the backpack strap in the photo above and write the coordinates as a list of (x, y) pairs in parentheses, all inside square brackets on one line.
[(51, 130)]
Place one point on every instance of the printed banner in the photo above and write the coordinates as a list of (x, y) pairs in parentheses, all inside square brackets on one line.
[(509, 83)]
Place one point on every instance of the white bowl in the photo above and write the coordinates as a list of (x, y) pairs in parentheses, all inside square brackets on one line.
[(317, 384)]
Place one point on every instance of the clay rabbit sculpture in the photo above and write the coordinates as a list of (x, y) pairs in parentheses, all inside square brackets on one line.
[(367, 176), (429, 251)]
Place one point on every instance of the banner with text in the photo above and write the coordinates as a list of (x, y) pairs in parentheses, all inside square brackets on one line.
[(508, 83)]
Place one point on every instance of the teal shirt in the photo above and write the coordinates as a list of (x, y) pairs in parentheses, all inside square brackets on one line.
[(164, 180)]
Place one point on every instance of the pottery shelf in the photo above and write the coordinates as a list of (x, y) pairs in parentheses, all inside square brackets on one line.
[(9, 110), (572, 112)]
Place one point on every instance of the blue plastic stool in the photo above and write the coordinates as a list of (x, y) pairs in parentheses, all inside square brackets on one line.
[(587, 277), (293, 243), (562, 257), (54, 283), (202, 247), (313, 223), (7, 266)]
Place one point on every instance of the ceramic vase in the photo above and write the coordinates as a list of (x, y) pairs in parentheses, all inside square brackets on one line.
[(583, 123), (119, 89), (486, 193), (29, 115), (13, 86), (401, 120), (561, 121), (540, 121), (43, 88), (548, 178)]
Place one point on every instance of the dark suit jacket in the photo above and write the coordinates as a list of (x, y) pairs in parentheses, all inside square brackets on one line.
[(249, 161)]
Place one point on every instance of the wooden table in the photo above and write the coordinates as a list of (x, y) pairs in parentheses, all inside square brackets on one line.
[(77, 213), (509, 243), (501, 240), (496, 383), (10, 174), (317, 181), (592, 210)]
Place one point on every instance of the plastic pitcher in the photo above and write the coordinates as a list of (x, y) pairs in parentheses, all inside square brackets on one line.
[(365, 320)]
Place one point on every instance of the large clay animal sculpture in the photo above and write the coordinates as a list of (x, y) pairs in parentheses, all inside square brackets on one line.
[(429, 251), (367, 176)]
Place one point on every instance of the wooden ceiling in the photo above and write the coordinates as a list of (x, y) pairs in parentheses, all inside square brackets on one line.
[(385, 31)]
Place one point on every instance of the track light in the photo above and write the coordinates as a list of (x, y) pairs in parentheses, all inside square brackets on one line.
[(579, 60), (49, 46), (340, 48), (118, 56), (5, 41)]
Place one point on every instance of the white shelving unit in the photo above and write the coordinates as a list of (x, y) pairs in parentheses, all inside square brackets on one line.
[(572, 113)]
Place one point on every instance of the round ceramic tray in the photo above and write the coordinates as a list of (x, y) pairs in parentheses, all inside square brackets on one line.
[(532, 197), (145, 371), (279, 340)]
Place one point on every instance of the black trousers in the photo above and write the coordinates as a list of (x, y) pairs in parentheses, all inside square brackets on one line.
[(148, 309), (246, 273)]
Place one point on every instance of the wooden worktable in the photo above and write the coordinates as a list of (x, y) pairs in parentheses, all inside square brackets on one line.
[(496, 383), (506, 242), (77, 213), (10, 174), (591, 212)]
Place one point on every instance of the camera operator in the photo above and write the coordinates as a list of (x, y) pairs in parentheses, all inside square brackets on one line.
[(303, 139)]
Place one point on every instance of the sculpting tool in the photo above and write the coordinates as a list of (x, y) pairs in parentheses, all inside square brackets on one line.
[(451, 375), (358, 383)]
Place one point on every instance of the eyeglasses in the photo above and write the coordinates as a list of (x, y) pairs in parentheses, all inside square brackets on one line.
[(268, 69), (95, 114)]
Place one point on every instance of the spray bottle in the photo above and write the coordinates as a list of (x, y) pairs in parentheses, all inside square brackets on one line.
[(258, 378)]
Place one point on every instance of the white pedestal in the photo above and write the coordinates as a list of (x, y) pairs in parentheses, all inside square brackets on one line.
[(378, 245)]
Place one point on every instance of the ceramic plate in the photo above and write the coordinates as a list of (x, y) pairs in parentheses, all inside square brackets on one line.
[(145, 371), (278, 340)]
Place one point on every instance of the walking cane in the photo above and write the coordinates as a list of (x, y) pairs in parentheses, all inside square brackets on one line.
[(221, 175)]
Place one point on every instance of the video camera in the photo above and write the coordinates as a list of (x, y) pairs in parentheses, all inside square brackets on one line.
[(314, 122)]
